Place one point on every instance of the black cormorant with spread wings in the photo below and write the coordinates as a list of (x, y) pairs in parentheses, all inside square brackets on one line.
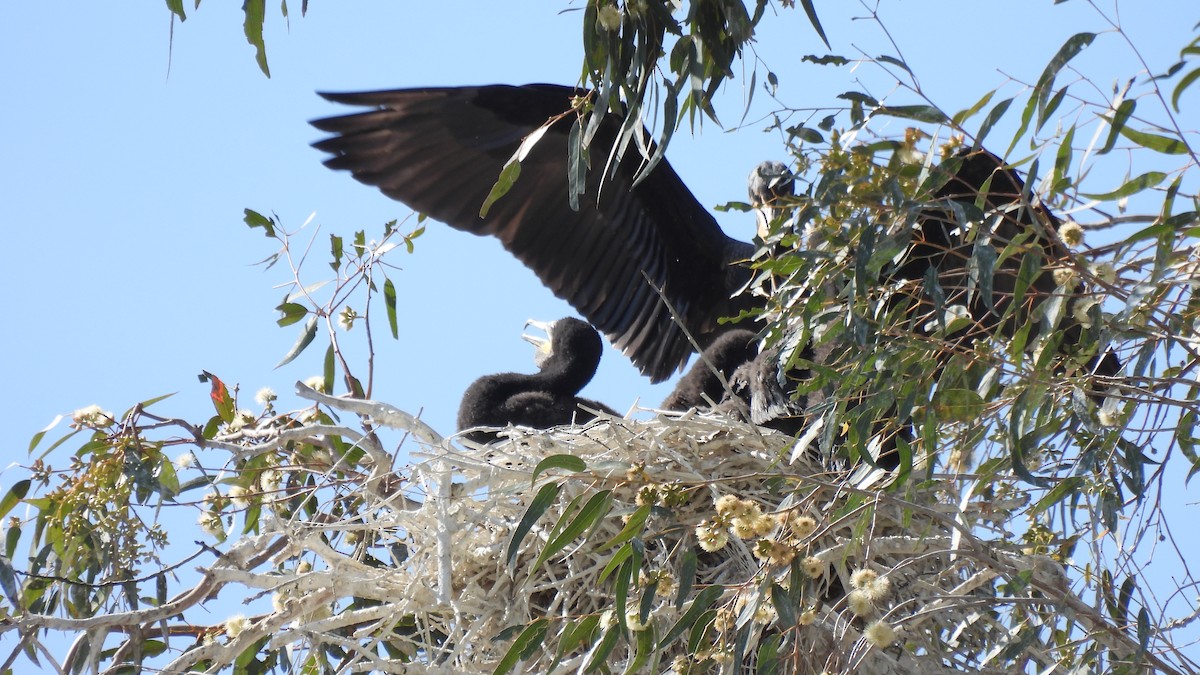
[(441, 150)]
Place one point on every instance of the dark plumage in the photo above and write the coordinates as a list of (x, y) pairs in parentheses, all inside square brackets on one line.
[(979, 188), (566, 361), (440, 151), (701, 386)]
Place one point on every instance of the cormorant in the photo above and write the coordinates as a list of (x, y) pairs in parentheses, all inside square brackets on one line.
[(566, 362), (701, 387), (441, 150)]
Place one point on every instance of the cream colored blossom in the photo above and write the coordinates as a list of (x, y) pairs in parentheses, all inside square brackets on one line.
[(346, 317), (184, 461), (315, 382), (92, 417), (265, 396), (609, 18), (862, 577), (881, 634), (711, 536), (1065, 277), (633, 619), (239, 496), (859, 603), (1105, 272), (1071, 233), (813, 566), (211, 524), (807, 617), (236, 624)]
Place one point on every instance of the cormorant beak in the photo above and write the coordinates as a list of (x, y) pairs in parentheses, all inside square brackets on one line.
[(543, 345)]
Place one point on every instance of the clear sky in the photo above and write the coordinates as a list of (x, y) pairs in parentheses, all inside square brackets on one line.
[(128, 160)]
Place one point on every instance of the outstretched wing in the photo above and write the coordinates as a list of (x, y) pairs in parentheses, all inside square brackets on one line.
[(440, 151)]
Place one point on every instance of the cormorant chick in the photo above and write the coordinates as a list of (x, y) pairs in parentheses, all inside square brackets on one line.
[(701, 387), (566, 362)]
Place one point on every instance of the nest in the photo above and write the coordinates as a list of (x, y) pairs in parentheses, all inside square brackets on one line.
[(790, 589)]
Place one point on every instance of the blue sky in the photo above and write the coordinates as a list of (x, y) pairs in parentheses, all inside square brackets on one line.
[(129, 160)]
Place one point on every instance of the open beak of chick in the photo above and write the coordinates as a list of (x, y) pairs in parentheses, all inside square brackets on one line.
[(543, 347)]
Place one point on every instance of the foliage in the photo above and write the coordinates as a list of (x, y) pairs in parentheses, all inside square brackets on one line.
[(1007, 540)]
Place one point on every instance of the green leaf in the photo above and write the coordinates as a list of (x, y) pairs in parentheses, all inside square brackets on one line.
[(255, 11), (524, 646), (591, 513), (292, 312), (176, 8), (1132, 186), (1065, 488), (811, 11), (336, 251), (633, 527), (1187, 81), (859, 97), (568, 462), (256, 219), (920, 113), (504, 183), (1163, 144), (37, 438), (545, 497), (389, 302), (576, 634), (168, 480), (964, 115), (704, 599), (14, 496), (327, 371), (1117, 123), (895, 62), (806, 134), (8, 582), (1070, 49), (305, 339), (827, 60), (615, 562)]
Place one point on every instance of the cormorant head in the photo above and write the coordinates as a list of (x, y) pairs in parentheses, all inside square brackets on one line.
[(544, 347), (770, 184)]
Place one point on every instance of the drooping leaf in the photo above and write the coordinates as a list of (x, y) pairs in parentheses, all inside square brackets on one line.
[(704, 599), (1069, 50), (545, 497), (37, 438), (305, 339), (1187, 81), (1117, 123), (504, 183), (389, 303), (14, 496), (595, 509), (524, 646), (811, 11), (255, 11), (633, 527)]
